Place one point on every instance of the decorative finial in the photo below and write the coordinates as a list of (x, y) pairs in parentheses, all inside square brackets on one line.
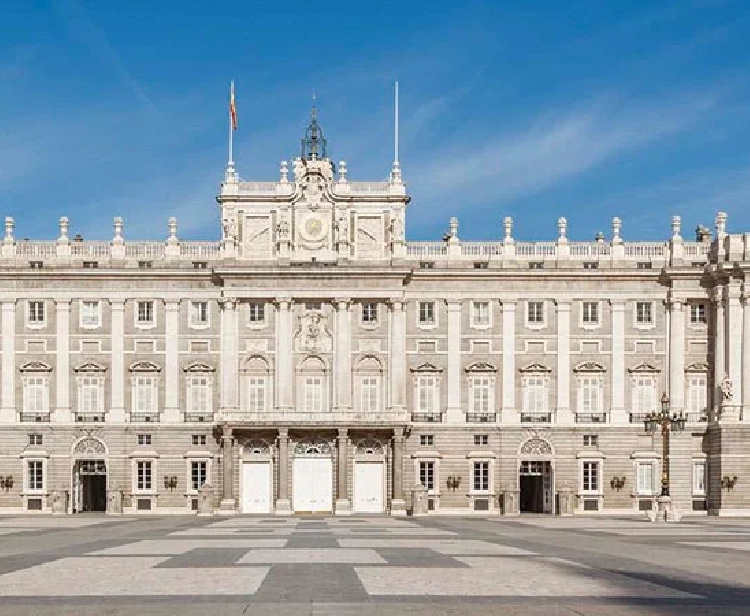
[(508, 224), (599, 237), (453, 226), (721, 224), (9, 225), (616, 228), (118, 228), (64, 228), (562, 228), (396, 170), (676, 225), (342, 171), (314, 143), (284, 172), (172, 227)]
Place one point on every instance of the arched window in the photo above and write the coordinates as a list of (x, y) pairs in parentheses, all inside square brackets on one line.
[(144, 380), (312, 390), (35, 376), (369, 382), (256, 384), (90, 378), (199, 390)]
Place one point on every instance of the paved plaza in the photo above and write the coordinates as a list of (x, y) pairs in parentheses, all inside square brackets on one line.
[(379, 565)]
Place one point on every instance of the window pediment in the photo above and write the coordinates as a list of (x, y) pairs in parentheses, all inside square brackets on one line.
[(480, 366), (589, 366), (644, 368), (426, 367), (198, 367), (90, 367), (697, 367), (535, 367), (145, 366), (36, 366)]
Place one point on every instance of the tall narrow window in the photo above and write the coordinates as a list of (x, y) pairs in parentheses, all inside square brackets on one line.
[(644, 313), (698, 314), (697, 393), (369, 313), (198, 474), (370, 386), (256, 394), (36, 312), (699, 478), (91, 395), (143, 475), (590, 476), (36, 395), (145, 314), (313, 394), (199, 394), (535, 394), (90, 314), (590, 313), (427, 474), (256, 313), (645, 479), (481, 477), (535, 312), (480, 394), (590, 394), (144, 394), (480, 314), (35, 475), (644, 397), (198, 314), (427, 313), (427, 394)]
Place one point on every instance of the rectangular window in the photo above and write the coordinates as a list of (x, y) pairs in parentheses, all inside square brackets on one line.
[(313, 394), (480, 265), (590, 265), (480, 314), (313, 306), (426, 265), (427, 313), (535, 398), (36, 264), (35, 475), (536, 265), (370, 386), (590, 476), (369, 312), (427, 474), (256, 394), (35, 395), (481, 439), (591, 312), (35, 439), (197, 475), (91, 397), (36, 312), (427, 394), (644, 399), (535, 312), (697, 398), (257, 312), (481, 477), (591, 440), (699, 478), (645, 479), (144, 439), (480, 394), (426, 440), (643, 265), (200, 265), (644, 313), (198, 313), (698, 314), (90, 314), (144, 394), (145, 264), (590, 394), (199, 439), (143, 476), (199, 394), (146, 312)]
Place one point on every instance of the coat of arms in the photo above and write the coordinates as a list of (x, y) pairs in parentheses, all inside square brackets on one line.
[(313, 336)]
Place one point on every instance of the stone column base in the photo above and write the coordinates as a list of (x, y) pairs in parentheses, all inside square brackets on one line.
[(665, 511), (227, 507), (343, 507), (283, 507), (398, 507), (729, 413)]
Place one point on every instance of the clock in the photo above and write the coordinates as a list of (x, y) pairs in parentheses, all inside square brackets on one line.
[(313, 226)]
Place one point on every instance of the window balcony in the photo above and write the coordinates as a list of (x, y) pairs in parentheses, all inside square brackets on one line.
[(90, 417), (696, 417), (536, 417), (427, 417), (481, 417), (35, 416), (199, 417), (638, 417), (144, 417), (591, 417)]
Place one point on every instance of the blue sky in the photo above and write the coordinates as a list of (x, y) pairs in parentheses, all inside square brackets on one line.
[(533, 110)]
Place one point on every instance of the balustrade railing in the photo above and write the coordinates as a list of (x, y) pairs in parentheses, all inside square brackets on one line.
[(42, 417), (536, 417), (97, 417), (149, 417), (591, 417), (199, 417), (481, 417), (427, 417)]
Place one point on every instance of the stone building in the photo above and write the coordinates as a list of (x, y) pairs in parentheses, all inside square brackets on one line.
[(315, 360)]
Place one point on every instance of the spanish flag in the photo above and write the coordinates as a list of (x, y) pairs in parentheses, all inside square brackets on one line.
[(232, 108)]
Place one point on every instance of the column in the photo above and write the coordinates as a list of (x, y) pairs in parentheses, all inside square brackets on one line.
[(284, 375), (227, 493), (62, 361), (172, 362), (454, 412), (283, 504), (746, 352), (564, 414), (618, 413), (509, 363), (677, 354), (117, 362), (343, 356), (398, 504), (719, 322), (733, 339), (398, 355), (8, 328), (343, 504), (229, 373)]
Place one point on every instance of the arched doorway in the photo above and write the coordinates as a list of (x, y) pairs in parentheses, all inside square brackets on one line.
[(536, 477), (312, 483), (369, 476), (256, 477), (89, 476)]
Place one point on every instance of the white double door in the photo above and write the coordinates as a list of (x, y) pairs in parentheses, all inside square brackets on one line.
[(313, 484), (369, 485), (256, 487)]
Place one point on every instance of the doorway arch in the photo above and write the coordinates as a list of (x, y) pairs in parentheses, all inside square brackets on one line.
[(536, 476), (89, 476)]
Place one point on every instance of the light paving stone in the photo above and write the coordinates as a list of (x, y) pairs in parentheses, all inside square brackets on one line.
[(312, 556), (742, 546), (81, 576), (180, 546), (449, 548)]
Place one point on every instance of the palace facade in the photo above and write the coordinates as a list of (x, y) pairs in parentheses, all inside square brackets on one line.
[(314, 360)]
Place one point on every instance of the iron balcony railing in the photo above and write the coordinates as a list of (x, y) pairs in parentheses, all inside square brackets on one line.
[(536, 417), (591, 417), (93, 417), (481, 417), (427, 417), (199, 417), (35, 416), (149, 417)]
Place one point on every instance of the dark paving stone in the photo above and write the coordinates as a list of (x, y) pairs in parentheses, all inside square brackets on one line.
[(418, 557), (204, 557), (310, 525), (315, 582), (273, 521), (312, 541)]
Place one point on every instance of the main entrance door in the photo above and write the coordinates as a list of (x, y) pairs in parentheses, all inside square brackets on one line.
[(256, 487), (90, 483), (368, 487), (313, 484), (535, 486)]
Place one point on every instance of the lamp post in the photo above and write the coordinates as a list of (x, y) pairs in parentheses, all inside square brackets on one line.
[(668, 423)]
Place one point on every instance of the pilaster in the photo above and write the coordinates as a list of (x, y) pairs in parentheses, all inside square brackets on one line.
[(227, 494), (677, 354), (398, 355), (564, 414), (719, 347), (746, 351), (454, 412), (284, 377), (229, 372), (172, 362), (117, 362), (343, 355), (343, 503), (733, 339), (8, 330), (509, 363), (618, 414), (398, 504), (283, 504), (62, 360)]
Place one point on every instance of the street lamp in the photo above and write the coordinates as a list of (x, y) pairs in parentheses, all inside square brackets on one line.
[(673, 423)]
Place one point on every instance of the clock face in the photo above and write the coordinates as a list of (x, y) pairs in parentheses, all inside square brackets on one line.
[(313, 226)]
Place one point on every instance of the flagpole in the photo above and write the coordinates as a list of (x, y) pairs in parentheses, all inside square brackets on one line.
[(230, 164)]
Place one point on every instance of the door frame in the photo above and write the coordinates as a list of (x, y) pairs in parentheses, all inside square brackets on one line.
[(76, 484), (363, 459), (312, 456), (256, 460)]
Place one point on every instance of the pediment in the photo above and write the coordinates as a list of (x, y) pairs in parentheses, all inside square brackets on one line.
[(199, 366), (697, 367), (589, 366), (90, 366), (36, 366), (534, 367), (426, 367), (145, 366), (480, 366), (644, 368)]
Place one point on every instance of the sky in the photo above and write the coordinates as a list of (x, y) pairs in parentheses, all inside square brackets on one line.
[(529, 109)]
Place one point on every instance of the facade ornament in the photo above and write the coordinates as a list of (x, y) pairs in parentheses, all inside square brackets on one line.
[(480, 366), (616, 229), (282, 229), (453, 228), (589, 366), (676, 225), (721, 224), (63, 229), (508, 226), (230, 230), (426, 367), (397, 228), (284, 172), (536, 446), (118, 228), (9, 225), (89, 446), (312, 335), (726, 389), (562, 228), (342, 171), (172, 227), (342, 228), (535, 367), (644, 367)]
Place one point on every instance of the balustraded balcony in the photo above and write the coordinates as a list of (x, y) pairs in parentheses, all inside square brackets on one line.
[(144, 417), (198, 417), (600, 417), (89, 417), (536, 416), (421, 417), (481, 417), (34, 417)]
